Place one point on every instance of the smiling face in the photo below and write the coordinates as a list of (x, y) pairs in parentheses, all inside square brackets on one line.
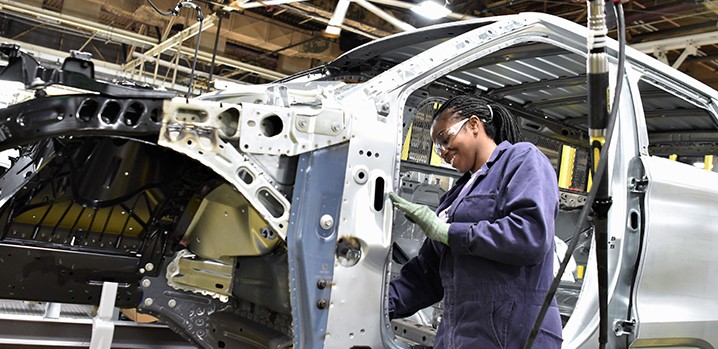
[(461, 141)]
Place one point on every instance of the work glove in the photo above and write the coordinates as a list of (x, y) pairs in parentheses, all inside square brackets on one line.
[(424, 217)]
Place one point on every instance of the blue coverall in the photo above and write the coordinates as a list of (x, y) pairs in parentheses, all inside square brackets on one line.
[(498, 266)]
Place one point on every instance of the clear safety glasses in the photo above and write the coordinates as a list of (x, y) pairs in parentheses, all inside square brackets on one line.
[(445, 136)]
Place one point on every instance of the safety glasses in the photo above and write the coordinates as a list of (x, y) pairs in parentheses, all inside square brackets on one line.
[(444, 137)]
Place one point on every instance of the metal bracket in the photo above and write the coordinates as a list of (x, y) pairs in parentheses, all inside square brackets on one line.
[(85, 56), (102, 326), (199, 275), (638, 185), (422, 335), (690, 50), (624, 327), (661, 55), (52, 310)]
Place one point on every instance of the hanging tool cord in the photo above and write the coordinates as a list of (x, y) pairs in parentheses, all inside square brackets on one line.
[(600, 174)]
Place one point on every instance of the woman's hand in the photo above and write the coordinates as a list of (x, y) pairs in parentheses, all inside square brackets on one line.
[(424, 217)]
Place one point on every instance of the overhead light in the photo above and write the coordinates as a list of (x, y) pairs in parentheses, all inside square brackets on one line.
[(431, 10)]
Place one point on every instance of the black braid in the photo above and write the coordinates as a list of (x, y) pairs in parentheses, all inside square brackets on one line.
[(501, 127)]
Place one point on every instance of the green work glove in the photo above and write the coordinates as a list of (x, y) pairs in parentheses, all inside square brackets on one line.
[(433, 227)]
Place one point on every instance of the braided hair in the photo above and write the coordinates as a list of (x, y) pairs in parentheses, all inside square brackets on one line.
[(498, 122)]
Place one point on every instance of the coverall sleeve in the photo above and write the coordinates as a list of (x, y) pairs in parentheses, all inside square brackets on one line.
[(419, 284), (526, 207)]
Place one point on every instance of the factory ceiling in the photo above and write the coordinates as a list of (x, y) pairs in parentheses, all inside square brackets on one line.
[(254, 41)]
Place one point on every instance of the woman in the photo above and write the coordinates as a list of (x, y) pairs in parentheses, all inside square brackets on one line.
[(490, 249)]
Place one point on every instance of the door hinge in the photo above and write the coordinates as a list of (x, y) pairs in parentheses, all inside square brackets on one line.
[(621, 327), (638, 185)]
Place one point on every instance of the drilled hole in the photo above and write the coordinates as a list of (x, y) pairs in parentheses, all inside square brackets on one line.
[(274, 207), (155, 115), (133, 113), (230, 120), (87, 110), (110, 112), (271, 125), (245, 176)]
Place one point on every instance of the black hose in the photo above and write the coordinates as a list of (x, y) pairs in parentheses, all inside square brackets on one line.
[(168, 13), (621, 31), (194, 61), (600, 172), (200, 18), (214, 51)]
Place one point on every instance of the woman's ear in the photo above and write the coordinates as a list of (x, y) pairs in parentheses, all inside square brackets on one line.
[(476, 124)]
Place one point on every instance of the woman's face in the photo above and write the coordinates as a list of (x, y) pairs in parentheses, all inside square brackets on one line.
[(455, 140)]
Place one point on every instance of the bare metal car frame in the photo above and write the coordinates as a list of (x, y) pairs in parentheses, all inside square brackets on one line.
[(259, 217)]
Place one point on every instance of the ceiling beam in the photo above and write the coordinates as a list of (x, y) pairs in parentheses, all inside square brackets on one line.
[(176, 39), (243, 5), (685, 30), (126, 37), (678, 43), (320, 15), (401, 25), (102, 31)]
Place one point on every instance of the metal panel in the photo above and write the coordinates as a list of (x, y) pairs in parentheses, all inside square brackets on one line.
[(675, 297), (311, 246)]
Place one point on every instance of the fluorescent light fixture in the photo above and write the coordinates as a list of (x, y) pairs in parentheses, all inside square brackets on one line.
[(431, 10)]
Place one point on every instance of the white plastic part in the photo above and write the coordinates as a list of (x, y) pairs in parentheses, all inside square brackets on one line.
[(103, 328)]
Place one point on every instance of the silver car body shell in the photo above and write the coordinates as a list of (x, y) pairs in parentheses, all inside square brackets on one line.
[(671, 296)]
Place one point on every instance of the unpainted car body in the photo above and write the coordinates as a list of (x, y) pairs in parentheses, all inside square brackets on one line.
[(257, 216)]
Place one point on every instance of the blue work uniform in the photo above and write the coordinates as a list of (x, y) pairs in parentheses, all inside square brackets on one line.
[(498, 265)]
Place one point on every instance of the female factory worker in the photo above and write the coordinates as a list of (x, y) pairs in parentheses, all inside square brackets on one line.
[(490, 249)]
